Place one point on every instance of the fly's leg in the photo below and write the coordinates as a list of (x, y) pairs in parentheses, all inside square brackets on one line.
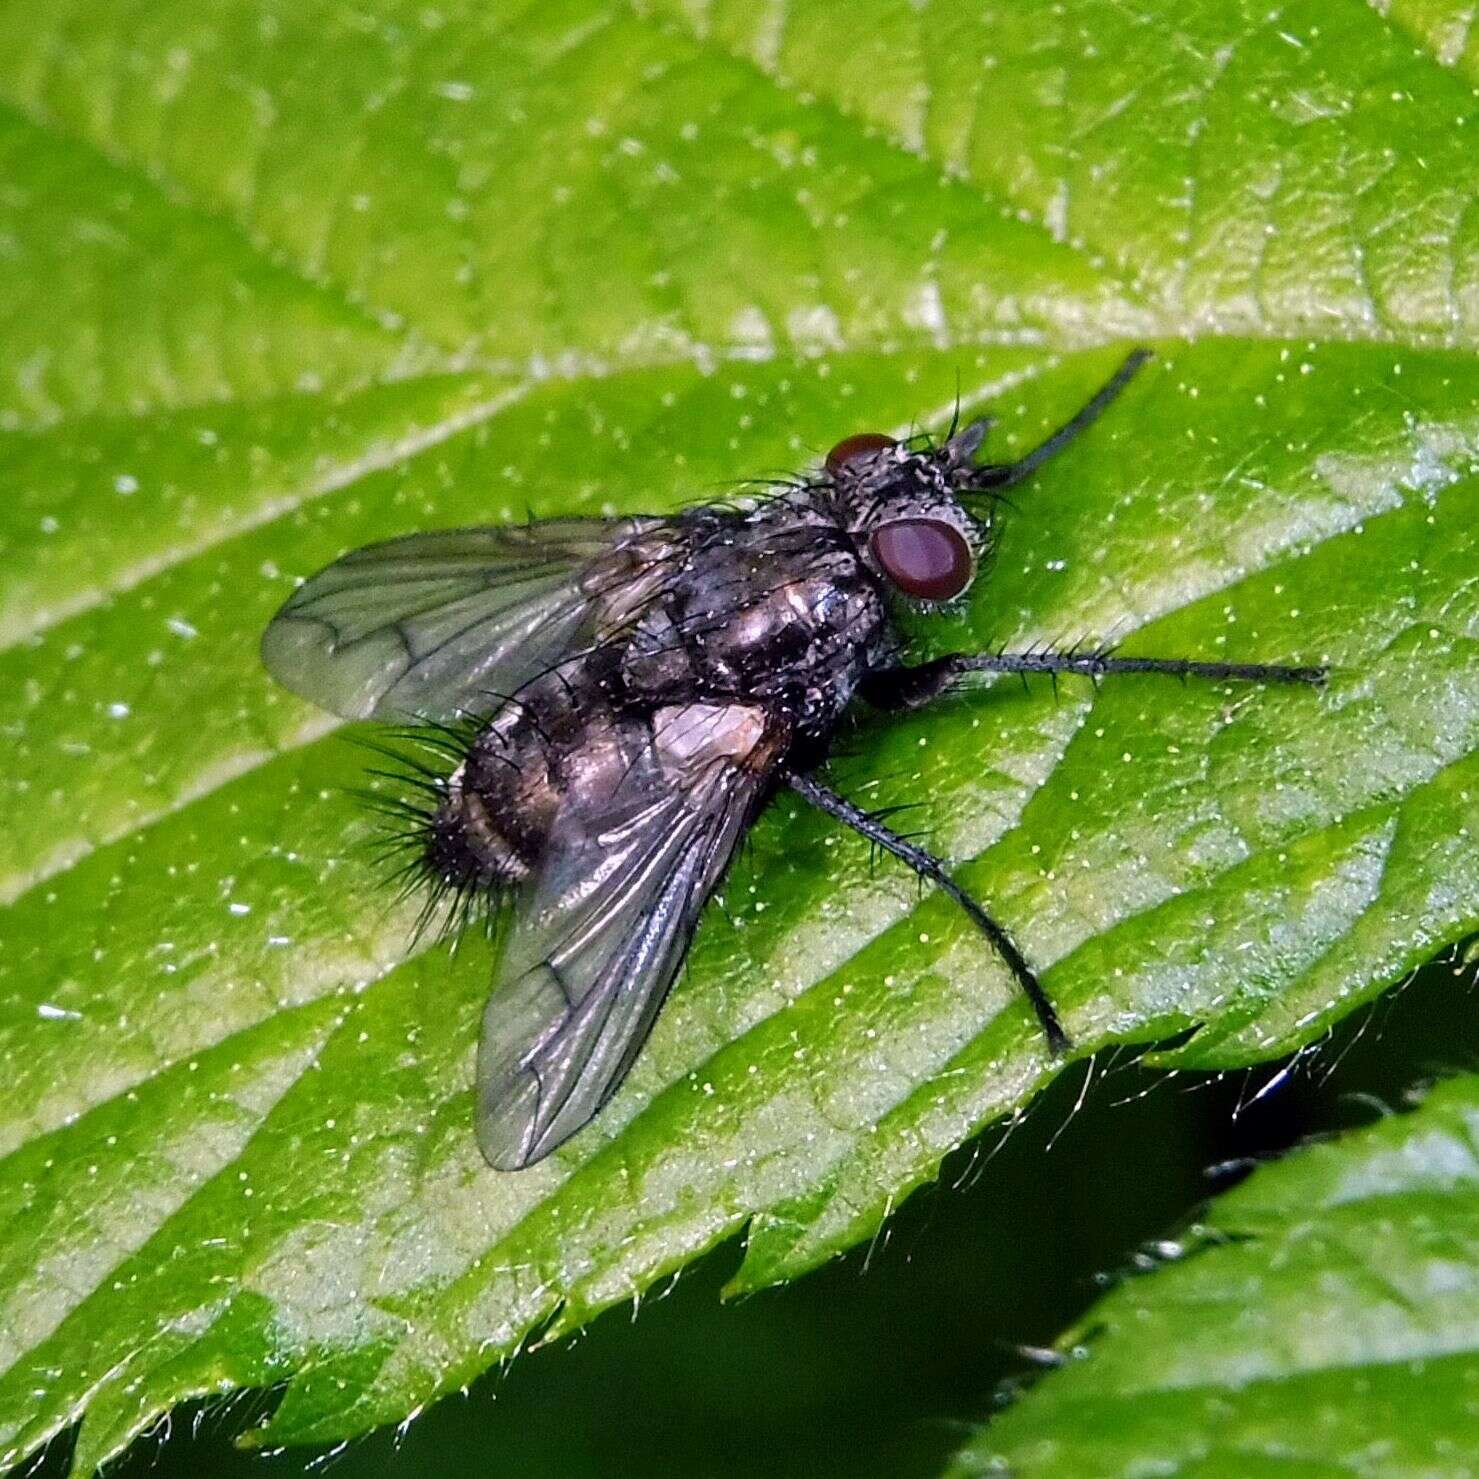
[(928, 866), (907, 687), (1004, 475)]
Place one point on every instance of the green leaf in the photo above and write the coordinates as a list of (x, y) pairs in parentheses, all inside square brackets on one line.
[(1323, 1319), (279, 280)]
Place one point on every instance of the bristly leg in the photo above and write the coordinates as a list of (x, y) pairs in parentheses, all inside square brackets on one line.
[(870, 825), (907, 687)]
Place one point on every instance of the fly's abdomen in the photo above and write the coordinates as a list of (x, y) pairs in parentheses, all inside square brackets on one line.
[(469, 845), (491, 823)]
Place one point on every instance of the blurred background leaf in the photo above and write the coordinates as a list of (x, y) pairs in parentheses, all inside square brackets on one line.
[(1323, 1318), (281, 279)]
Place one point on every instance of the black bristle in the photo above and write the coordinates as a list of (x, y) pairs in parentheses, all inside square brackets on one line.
[(408, 805)]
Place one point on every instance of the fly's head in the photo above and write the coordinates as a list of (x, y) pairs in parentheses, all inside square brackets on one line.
[(918, 512)]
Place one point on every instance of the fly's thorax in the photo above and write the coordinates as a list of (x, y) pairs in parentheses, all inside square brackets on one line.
[(630, 579), (771, 609), (657, 657)]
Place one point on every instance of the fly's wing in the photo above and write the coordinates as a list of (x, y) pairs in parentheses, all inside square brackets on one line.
[(600, 932), (435, 625)]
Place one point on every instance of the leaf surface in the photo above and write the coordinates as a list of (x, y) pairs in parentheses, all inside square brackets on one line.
[(282, 280), (1324, 1319)]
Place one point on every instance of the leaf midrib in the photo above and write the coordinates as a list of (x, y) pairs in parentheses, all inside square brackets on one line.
[(289, 505)]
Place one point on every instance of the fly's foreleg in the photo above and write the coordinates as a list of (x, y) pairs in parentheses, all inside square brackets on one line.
[(928, 866), (907, 687)]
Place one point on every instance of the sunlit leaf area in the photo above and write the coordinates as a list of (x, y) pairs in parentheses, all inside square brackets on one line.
[(281, 279)]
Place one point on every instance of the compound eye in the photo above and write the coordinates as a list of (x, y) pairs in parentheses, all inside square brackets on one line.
[(864, 444), (926, 558)]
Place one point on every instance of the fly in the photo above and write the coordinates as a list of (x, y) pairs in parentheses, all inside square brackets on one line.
[(619, 698)]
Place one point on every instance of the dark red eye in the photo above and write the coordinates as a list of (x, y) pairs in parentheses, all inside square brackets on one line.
[(864, 444), (926, 558)]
